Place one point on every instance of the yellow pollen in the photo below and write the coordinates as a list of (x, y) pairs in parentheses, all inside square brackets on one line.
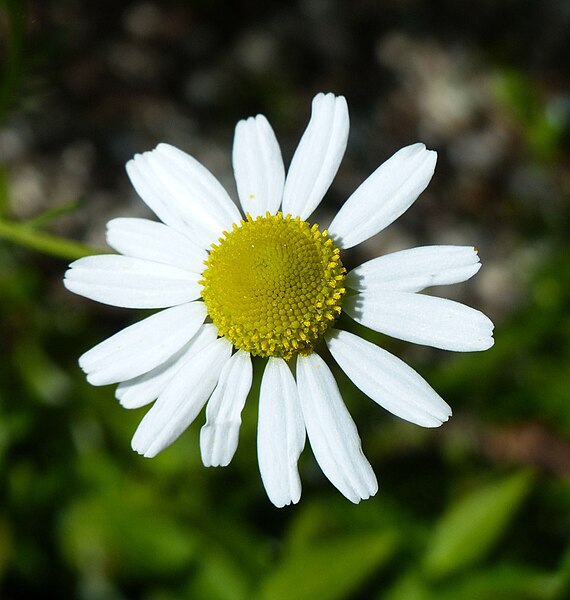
[(273, 285)]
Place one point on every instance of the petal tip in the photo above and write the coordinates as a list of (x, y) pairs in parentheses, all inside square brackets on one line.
[(164, 147), (286, 501), (421, 150), (341, 101), (364, 495), (130, 165), (443, 419), (143, 449), (319, 97)]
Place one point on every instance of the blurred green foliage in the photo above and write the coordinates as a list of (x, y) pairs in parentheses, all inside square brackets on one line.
[(542, 126), (477, 510)]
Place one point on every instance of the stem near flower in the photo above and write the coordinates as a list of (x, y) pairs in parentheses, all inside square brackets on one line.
[(40, 241)]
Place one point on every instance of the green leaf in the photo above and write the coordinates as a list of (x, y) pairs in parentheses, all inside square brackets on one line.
[(219, 576), (123, 531), (319, 520), (100, 532), (411, 586), (329, 571), (504, 582), (468, 530), (311, 524)]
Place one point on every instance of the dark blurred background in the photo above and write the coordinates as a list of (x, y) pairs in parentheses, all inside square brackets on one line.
[(478, 509)]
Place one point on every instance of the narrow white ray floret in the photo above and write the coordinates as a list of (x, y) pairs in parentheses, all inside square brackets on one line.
[(263, 281), (384, 196), (219, 436), (280, 433), (149, 240), (416, 269), (144, 389), (422, 319), (317, 157), (131, 282), (258, 166), (182, 399), (143, 346), (387, 380), (331, 430)]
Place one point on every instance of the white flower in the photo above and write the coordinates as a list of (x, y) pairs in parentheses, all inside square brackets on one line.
[(272, 285)]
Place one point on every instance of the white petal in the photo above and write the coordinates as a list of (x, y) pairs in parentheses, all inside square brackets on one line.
[(182, 400), (258, 166), (154, 194), (416, 269), (146, 388), (131, 282), (317, 157), (187, 187), (422, 319), (280, 434), (192, 184), (143, 346), (332, 432), (141, 238), (219, 436), (387, 380), (384, 196)]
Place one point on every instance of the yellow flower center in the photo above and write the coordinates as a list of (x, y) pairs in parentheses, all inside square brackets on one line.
[(273, 285)]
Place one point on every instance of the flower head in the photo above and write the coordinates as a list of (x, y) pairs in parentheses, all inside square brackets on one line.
[(266, 282)]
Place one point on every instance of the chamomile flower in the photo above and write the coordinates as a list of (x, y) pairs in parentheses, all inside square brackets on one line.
[(267, 282)]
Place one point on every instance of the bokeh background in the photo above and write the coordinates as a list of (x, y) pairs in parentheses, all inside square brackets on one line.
[(478, 509)]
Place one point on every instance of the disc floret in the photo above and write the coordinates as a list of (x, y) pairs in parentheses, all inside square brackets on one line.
[(273, 285)]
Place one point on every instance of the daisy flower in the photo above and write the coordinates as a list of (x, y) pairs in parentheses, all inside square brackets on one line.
[(266, 282)]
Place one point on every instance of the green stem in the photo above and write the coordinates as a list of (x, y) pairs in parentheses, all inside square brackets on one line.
[(47, 243)]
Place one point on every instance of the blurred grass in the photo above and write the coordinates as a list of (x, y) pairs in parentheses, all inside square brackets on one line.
[(479, 509)]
